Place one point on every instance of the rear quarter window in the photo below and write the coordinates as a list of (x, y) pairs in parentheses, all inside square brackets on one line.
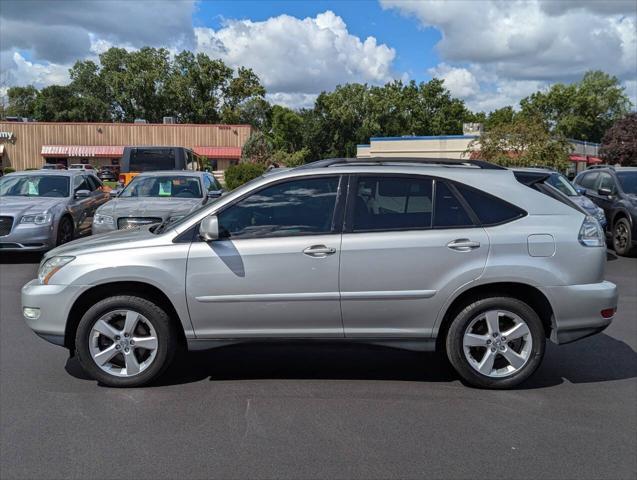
[(490, 210)]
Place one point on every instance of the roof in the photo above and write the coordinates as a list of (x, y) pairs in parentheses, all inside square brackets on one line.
[(176, 173), (426, 137), (65, 173)]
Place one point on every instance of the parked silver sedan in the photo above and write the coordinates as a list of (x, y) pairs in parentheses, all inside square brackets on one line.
[(156, 197), (42, 209)]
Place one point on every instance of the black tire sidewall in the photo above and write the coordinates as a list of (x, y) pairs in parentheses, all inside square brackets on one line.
[(166, 339), (623, 251), (455, 335), (63, 220)]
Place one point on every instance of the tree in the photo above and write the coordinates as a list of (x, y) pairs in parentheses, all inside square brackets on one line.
[(257, 149), (583, 110), (21, 101), (619, 144), (523, 142), (286, 132)]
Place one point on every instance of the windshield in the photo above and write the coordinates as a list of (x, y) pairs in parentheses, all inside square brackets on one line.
[(34, 186), (560, 182), (628, 181), (172, 186)]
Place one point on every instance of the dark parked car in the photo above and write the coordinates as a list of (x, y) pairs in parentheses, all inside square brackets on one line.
[(615, 190), (107, 174)]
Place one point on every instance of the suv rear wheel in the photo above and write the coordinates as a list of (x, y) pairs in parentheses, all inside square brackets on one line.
[(622, 238), (496, 342), (125, 341)]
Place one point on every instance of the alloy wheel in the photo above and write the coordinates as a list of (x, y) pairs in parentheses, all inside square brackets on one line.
[(123, 343), (620, 236), (497, 343)]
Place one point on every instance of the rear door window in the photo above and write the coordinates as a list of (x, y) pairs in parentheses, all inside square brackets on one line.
[(490, 210), (449, 212), (384, 203)]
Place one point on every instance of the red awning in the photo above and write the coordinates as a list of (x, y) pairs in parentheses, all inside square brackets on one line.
[(219, 152), (577, 158), (595, 160), (82, 151)]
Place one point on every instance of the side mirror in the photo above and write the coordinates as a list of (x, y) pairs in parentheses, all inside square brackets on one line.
[(606, 192), (114, 193), (209, 228), (580, 190), (82, 194), (215, 193)]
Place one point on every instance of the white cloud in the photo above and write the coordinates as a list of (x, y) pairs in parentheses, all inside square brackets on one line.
[(295, 56), (512, 46), (292, 100), (460, 81), (16, 70)]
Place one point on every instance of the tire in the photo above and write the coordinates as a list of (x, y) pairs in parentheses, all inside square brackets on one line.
[(65, 231), (148, 321), (623, 239), (471, 342)]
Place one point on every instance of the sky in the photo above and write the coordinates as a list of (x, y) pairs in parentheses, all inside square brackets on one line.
[(490, 53)]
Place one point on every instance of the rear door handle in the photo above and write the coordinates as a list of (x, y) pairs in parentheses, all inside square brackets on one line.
[(319, 251), (463, 245)]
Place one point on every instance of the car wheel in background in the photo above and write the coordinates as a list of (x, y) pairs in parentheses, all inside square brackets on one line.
[(65, 231), (496, 342), (125, 341), (622, 238)]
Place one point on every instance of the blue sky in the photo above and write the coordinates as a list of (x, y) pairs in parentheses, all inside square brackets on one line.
[(415, 52), (489, 53)]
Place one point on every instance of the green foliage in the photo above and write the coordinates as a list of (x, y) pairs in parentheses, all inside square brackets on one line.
[(583, 110), (237, 175), (619, 144), (257, 149), (524, 142), (6, 170), (283, 158), (286, 132), (21, 101)]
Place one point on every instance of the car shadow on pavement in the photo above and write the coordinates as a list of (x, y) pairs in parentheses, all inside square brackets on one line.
[(597, 359), (20, 257)]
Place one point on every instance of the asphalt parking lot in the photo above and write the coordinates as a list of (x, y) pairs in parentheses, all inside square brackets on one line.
[(318, 411)]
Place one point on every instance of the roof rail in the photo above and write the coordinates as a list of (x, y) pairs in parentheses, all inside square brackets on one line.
[(413, 160), (601, 165)]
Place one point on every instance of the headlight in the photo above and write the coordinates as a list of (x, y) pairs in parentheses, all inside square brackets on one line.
[(39, 219), (591, 233), (50, 266), (100, 219), (600, 215)]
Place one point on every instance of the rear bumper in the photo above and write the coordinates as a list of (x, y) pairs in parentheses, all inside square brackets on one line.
[(577, 310)]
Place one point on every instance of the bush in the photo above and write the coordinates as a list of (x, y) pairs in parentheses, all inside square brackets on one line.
[(237, 175), (6, 170)]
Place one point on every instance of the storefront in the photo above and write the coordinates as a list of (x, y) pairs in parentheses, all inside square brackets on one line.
[(31, 144)]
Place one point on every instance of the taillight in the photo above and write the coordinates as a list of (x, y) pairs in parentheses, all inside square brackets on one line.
[(607, 313), (591, 234), (122, 178)]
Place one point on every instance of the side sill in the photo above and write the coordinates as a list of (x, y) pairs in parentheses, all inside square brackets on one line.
[(413, 344)]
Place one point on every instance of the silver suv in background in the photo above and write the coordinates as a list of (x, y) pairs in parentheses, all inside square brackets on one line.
[(43, 208), (443, 255)]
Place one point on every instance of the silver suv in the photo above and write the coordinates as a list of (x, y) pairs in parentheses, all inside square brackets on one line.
[(442, 255)]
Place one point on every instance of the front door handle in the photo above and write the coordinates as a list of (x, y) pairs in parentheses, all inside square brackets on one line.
[(319, 251), (463, 245)]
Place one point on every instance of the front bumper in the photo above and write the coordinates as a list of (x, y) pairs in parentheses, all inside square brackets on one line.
[(577, 310), (54, 303), (29, 237)]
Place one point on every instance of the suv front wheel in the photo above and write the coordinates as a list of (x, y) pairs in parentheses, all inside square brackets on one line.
[(125, 341), (496, 342)]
